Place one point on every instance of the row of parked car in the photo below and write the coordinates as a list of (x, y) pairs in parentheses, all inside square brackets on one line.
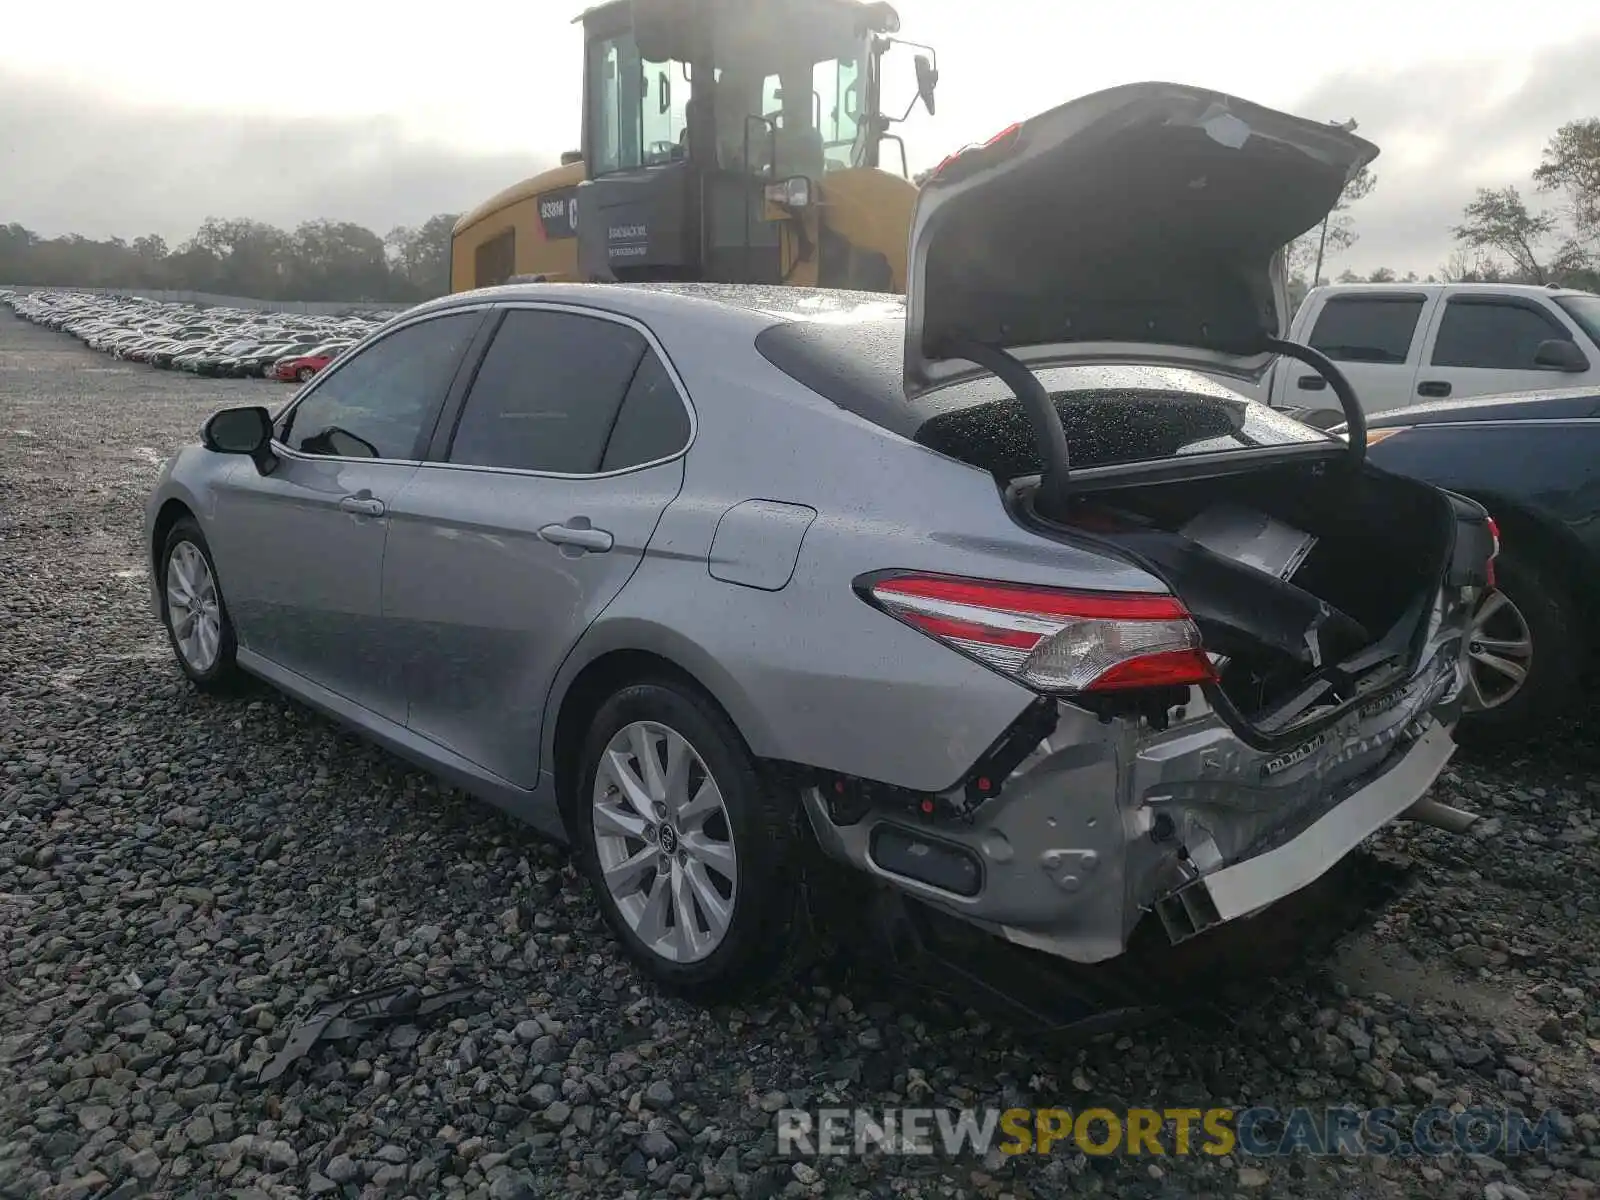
[(219, 342)]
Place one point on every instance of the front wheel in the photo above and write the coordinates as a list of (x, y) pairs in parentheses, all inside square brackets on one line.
[(304, 374), (192, 609), (691, 852)]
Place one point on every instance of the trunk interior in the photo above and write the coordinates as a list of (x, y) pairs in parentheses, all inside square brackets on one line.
[(1311, 583)]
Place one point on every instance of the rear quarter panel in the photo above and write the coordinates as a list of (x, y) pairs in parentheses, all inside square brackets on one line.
[(1545, 472), (810, 672)]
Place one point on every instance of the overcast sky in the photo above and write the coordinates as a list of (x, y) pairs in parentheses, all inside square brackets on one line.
[(141, 118)]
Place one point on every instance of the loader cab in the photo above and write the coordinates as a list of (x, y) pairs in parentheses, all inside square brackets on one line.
[(695, 109)]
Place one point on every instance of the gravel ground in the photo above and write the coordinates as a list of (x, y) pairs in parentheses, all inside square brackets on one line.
[(181, 878)]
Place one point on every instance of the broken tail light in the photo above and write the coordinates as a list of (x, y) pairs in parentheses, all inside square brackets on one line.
[(1052, 639), (973, 158)]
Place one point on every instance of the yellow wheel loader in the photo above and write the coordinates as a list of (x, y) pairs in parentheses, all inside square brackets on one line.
[(723, 140)]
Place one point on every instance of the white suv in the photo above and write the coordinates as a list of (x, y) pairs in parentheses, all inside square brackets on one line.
[(1407, 343)]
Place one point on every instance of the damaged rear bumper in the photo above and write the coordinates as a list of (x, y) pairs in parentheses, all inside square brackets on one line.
[(1248, 887), (1106, 822)]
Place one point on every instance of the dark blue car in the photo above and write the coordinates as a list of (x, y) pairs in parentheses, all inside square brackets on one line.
[(1533, 460)]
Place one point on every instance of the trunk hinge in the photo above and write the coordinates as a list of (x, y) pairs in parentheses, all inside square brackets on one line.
[(1048, 434)]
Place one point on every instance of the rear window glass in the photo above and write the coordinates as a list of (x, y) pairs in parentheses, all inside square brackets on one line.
[(1369, 329), (1112, 415), (1110, 427)]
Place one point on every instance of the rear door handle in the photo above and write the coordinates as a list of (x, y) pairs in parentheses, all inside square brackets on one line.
[(366, 505), (1433, 387), (1312, 383), (578, 534)]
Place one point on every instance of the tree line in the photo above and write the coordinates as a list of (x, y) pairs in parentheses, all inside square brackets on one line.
[(318, 260), (1499, 239)]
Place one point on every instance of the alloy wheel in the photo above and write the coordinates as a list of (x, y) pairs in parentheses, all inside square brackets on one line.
[(664, 842), (194, 609), (1499, 652)]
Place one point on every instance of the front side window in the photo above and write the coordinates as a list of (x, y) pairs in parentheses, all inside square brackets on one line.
[(637, 108), (838, 85), (377, 404), (1585, 312), (1493, 336)]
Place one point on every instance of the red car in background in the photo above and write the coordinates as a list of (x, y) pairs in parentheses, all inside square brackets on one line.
[(303, 367)]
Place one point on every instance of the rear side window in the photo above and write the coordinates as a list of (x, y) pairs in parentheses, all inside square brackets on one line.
[(1366, 329), (1493, 336), (548, 393), (653, 423)]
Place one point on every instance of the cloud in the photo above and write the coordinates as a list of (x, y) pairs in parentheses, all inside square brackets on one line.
[(86, 163), (82, 163), (1446, 129)]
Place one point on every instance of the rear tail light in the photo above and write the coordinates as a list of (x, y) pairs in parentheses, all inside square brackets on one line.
[(997, 147), (1494, 553), (1050, 639)]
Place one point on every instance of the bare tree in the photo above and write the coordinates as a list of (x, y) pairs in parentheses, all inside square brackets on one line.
[(1571, 167), (1311, 250), (1498, 221)]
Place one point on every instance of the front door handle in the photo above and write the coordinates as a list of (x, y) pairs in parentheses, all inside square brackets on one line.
[(1312, 383), (366, 504), (578, 534), (1433, 387)]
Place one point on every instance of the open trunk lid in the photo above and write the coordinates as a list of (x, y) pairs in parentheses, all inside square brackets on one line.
[(1140, 224)]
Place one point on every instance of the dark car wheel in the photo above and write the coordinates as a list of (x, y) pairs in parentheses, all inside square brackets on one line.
[(193, 612), (1525, 654), (692, 853)]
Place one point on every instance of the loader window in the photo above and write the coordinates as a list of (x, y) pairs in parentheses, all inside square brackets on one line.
[(811, 110), (838, 87), (636, 107)]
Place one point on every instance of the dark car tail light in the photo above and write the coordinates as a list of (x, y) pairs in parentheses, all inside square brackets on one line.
[(1051, 639), (1494, 553)]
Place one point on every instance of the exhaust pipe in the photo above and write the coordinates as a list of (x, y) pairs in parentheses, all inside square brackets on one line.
[(1441, 816)]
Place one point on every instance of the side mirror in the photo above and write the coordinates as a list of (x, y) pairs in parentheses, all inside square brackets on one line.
[(927, 80), (242, 431), (1558, 354)]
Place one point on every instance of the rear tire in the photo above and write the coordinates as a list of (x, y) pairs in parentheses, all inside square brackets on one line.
[(304, 374), (662, 846), (1532, 622)]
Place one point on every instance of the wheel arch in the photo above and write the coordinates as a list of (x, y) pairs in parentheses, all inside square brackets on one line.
[(1545, 539), (620, 653), (169, 514)]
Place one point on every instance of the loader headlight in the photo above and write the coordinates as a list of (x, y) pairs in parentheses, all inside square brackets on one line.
[(791, 193)]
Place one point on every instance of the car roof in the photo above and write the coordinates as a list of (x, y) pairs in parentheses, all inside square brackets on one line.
[(1513, 289), (752, 307)]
